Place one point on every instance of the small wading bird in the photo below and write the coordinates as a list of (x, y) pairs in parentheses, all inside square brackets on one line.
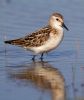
[(44, 39)]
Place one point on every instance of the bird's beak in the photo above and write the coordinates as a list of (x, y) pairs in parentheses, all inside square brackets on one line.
[(65, 27)]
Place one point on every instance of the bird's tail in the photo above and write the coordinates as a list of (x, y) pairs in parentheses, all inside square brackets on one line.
[(9, 41), (15, 42)]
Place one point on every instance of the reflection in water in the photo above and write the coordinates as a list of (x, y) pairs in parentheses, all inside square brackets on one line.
[(44, 76)]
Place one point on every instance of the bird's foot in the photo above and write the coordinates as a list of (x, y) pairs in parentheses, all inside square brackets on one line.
[(41, 57), (33, 58)]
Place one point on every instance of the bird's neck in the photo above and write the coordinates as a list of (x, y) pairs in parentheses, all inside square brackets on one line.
[(58, 94), (56, 28)]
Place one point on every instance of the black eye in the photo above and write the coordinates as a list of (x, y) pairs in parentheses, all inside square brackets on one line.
[(57, 19)]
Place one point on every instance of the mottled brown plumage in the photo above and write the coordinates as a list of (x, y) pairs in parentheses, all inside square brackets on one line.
[(34, 39)]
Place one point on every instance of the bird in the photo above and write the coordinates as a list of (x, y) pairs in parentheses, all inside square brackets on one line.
[(44, 39)]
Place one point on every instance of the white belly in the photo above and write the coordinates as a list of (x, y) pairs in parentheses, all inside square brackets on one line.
[(49, 45)]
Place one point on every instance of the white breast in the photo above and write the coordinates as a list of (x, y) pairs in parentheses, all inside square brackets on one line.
[(50, 44)]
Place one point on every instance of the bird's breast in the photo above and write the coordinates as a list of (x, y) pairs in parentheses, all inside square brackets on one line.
[(53, 41)]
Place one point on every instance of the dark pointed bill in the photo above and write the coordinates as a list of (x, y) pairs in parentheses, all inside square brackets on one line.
[(65, 27)]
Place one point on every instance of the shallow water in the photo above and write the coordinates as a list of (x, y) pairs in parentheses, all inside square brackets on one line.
[(19, 17)]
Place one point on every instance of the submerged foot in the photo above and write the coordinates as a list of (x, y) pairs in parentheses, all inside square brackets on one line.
[(41, 57), (33, 58)]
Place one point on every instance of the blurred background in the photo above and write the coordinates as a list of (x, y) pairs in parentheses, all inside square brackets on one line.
[(21, 17)]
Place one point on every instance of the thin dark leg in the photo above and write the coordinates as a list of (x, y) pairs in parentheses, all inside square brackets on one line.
[(33, 58), (41, 56)]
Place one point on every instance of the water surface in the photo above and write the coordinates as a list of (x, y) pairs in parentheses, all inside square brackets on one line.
[(19, 17)]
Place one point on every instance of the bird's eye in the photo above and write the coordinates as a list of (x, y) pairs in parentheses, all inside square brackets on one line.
[(57, 19)]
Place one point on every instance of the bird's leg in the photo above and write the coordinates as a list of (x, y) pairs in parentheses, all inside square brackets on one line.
[(33, 58), (41, 56)]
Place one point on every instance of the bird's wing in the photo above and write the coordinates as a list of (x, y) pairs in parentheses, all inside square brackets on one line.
[(34, 39)]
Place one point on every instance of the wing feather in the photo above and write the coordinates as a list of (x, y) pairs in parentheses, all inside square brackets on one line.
[(34, 39)]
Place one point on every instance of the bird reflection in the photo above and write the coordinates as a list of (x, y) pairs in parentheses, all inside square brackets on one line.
[(43, 75)]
